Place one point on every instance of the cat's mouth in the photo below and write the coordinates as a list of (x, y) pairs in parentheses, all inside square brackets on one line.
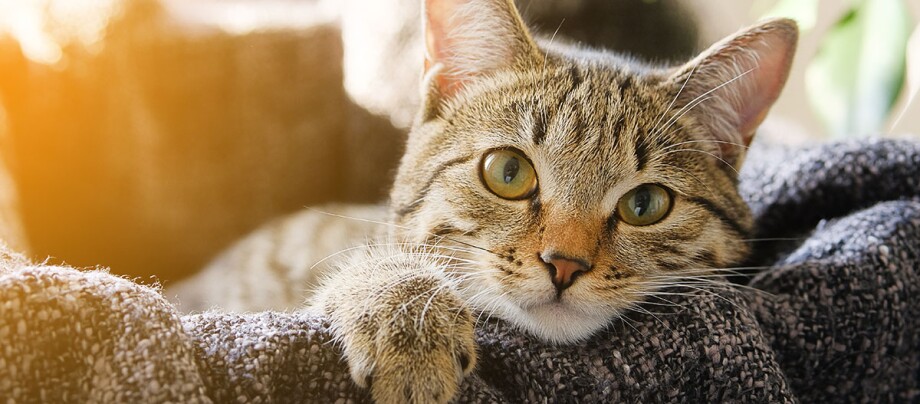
[(536, 305), (552, 304), (562, 307)]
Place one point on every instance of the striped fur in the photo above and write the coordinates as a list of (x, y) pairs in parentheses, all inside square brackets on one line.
[(594, 125)]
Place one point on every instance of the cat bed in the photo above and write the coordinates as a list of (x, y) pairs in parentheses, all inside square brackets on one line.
[(833, 318)]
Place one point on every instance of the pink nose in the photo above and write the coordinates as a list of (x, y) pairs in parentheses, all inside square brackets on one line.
[(563, 271)]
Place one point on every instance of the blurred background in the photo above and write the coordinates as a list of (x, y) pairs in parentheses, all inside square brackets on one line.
[(147, 135)]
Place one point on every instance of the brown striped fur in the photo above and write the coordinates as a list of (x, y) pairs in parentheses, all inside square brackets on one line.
[(594, 125)]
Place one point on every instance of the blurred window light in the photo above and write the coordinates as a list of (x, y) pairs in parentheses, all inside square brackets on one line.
[(240, 17), (44, 27)]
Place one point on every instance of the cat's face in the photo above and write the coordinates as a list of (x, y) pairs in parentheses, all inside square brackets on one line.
[(569, 183)]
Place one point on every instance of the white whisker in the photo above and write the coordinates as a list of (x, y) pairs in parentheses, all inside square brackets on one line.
[(698, 100), (676, 96), (705, 152)]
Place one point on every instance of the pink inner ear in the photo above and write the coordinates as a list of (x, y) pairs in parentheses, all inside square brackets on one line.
[(466, 39), (770, 69), (738, 104), (436, 17), (437, 14)]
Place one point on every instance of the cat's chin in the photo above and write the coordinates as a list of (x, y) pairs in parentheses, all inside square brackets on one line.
[(544, 316), (557, 323)]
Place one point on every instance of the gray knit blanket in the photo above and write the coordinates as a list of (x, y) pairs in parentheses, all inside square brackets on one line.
[(830, 312)]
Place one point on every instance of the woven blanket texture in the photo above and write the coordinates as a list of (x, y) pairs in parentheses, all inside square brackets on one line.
[(835, 317)]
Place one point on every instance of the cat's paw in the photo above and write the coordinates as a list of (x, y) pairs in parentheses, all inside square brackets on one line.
[(420, 349)]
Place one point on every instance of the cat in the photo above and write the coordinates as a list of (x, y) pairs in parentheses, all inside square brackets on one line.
[(547, 184)]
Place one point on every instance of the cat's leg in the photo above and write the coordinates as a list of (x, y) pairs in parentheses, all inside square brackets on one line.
[(406, 333), (279, 265)]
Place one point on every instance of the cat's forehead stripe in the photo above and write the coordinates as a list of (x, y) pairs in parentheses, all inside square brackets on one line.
[(539, 125), (576, 78), (640, 149)]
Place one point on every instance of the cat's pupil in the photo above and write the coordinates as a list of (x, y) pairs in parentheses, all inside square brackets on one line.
[(511, 170), (642, 201)]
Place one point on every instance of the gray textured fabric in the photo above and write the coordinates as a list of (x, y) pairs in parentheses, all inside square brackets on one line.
[(838, 226)]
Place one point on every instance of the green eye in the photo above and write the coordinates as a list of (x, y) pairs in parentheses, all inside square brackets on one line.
[(644, 205), (508, 174)]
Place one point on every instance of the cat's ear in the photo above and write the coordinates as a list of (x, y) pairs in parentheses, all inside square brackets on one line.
[(731, 86), (465, 39)]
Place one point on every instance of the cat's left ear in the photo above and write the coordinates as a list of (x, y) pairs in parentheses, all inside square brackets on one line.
[(731, 86), (470, 39)]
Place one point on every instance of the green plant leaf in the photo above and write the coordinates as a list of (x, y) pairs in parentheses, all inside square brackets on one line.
[(804, 12), (913, 74), (856, 76), (913, 63)]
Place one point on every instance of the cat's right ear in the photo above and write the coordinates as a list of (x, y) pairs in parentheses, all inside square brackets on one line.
[(731, 86), (468, 39)]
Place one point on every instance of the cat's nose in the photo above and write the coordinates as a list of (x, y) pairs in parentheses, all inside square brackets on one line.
[(563, 270)]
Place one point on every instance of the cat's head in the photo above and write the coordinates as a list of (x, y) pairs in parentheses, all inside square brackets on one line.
[(570, 181)]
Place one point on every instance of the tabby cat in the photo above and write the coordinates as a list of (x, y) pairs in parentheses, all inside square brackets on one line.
[(549, 185)]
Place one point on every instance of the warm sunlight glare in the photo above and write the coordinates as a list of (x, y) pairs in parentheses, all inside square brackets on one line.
[(240, 17), (44, 27)]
